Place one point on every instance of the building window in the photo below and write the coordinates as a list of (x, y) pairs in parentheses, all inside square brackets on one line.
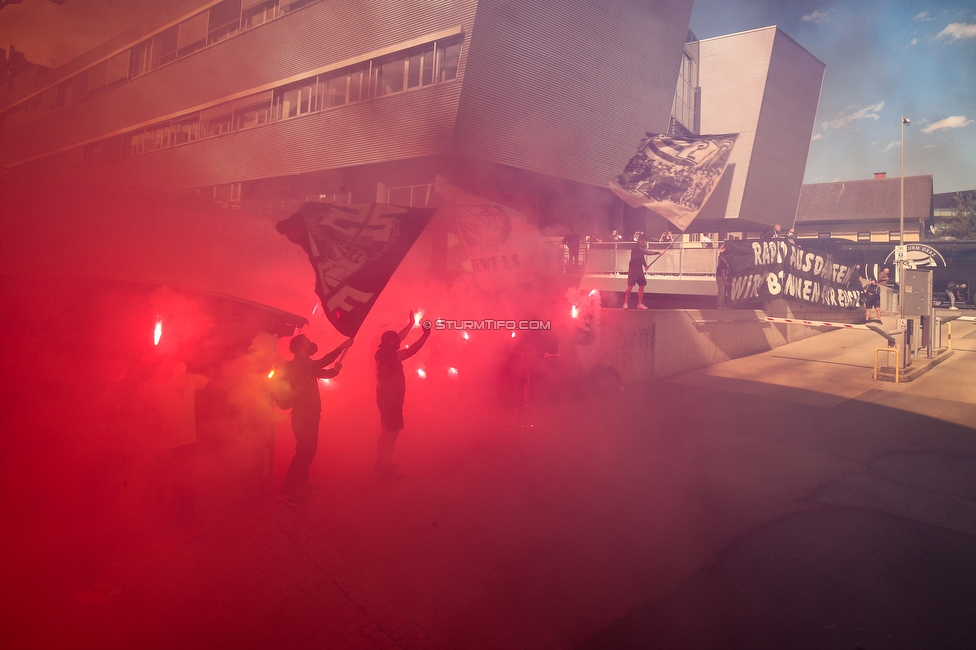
[(193, 34), (823, 235), (217, 120), (252, 111), (294, 100), (229, 192), (291, 5), (258, 12), (139, 59), (118, 68), (186, 130), (164, 47), (103, 151), (98, 76), (411, 196), (448, 58), (225, 20), (390, 75), (863, 236)]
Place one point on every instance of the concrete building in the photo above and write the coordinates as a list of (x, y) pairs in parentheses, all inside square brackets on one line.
[(268, 103), (763, 85), (868, 210)]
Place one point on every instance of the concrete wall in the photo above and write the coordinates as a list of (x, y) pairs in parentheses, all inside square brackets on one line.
[(647, 345)]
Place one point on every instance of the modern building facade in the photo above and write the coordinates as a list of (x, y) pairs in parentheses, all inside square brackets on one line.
[(764, 86), (269, 102), (867, 210)]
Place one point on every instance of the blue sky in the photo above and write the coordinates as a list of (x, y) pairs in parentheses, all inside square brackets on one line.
[(884, 60)]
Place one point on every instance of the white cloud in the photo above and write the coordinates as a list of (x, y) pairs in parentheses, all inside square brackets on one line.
[(892, 145), (955, 31), (924, 16), (929, 146), (816, 17), (914, 41), (818, 136), (845, 118), (953, 122)]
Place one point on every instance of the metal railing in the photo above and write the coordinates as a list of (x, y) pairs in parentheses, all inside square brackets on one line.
[(678, 259)]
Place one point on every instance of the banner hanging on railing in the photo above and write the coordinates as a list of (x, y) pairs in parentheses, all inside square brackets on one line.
[(766, 270)]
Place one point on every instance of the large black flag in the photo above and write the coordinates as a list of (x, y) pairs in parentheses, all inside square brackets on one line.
[(354, 250)]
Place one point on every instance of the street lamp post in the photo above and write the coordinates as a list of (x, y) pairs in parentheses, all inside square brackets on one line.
[(901, 239), (900, 258)]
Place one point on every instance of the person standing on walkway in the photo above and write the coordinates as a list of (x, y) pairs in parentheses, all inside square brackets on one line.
[(390, 390), (572, 242), (635, 272), (722, 269), (301, 376)]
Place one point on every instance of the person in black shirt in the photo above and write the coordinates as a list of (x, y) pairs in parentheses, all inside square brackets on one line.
[(635, 272), (872, 300), (390, 390), (722, 270), (572, 241), (301, 375)]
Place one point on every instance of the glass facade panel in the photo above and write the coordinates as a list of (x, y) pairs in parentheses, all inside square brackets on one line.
[(258, 14), (217, 120), (252, 111), (98, 77), (448, 58), (414, 65), (225, 20), (139, 59), (118, 68), (164, 46), (193, 34), (390, 76), (186, 130)]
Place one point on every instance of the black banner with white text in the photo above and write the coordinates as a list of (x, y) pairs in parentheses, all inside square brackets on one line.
[(766, 270)]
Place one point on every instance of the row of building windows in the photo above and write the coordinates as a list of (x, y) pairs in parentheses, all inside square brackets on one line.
[(423, 65), (210, 26)]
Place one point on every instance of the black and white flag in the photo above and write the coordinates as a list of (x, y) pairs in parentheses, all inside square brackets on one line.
[(674, 175), (354, 250)]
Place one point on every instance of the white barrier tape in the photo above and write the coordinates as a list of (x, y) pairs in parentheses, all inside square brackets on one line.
[(815, 323)]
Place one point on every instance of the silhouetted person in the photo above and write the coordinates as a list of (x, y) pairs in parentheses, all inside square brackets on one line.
[(722, 270), (302, 374), (572, 241), (791, 236), (635, 272), (775, 233), (390, 390)]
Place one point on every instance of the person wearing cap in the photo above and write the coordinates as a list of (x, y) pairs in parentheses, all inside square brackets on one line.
[(302, 374), (391, 388)]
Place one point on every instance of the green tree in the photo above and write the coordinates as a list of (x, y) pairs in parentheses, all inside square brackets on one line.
[(962, 225)]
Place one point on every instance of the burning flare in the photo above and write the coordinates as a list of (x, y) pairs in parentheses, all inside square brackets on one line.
[(157, 332)]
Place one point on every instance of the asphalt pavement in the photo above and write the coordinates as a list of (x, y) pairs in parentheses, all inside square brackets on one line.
[(781, 500)]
